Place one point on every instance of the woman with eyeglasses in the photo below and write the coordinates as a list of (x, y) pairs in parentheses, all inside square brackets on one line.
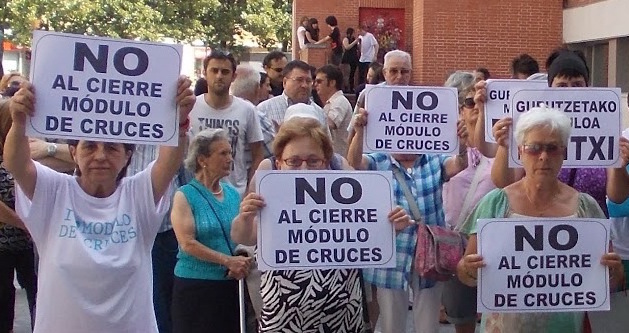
[(460, 195), (541, 135), (566, 68), (328, 300)]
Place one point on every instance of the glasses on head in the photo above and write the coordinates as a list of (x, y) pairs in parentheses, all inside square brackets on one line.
[(277, 69), (396, 71), (469, 103), (302, 79), (538, 148), (311, 162)]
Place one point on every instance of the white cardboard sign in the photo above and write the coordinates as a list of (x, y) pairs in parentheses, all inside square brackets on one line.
[(498, 103), (535, 265), (93, 88), (596, 123), (325, 219), (412, 120)]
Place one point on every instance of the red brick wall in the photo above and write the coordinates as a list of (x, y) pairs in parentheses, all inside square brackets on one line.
[(579, 3), (446, 35), (463, 35)]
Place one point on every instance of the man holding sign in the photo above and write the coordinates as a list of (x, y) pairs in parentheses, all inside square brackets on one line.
[(541, 136), (318, 296), (422, 175)]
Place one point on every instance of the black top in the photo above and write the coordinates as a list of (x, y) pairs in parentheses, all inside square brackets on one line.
[(276, 91), (351, 56), (337, 45)]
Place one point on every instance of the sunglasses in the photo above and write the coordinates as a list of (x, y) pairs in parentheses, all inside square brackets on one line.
[(469, 103), (538, 148), (396, 71)]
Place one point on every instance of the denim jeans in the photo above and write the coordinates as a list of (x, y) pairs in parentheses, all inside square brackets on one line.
[(164, 255)]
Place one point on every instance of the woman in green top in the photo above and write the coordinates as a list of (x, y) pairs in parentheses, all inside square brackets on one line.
[(205, 291), (542, 135)]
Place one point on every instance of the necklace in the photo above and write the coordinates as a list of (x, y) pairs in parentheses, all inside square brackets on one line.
[(219, 192), (550, 202)]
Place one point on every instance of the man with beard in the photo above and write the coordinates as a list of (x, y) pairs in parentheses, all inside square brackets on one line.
[(297, 89), (218, 109)]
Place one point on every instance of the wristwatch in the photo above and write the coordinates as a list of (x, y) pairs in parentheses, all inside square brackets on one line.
[(51, 150)]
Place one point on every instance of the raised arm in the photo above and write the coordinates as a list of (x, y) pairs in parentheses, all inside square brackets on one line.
[(170, 158), (17, 155), (618, 178), (486, 148), (245, 226), (458, 163), (355, 156), (501, 174)]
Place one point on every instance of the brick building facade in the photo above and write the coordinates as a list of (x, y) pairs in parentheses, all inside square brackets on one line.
[(446, 35)]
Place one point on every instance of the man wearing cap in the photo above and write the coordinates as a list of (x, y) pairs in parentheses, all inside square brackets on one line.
[(297, 89)]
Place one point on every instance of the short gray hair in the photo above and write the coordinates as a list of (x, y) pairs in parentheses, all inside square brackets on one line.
[(200, 146), (462, 81), (543, 117), (247, 81), (397, 54)]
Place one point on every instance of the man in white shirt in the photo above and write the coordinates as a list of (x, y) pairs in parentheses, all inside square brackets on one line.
[(368, 53), (218, 109), (337, 109)]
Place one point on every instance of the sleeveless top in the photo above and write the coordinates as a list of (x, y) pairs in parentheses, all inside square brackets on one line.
[(351, 56), (212, 225)]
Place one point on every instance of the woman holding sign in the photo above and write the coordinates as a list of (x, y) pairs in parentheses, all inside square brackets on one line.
[(542, 135), (312, 300), (95, 230), (566, 69)]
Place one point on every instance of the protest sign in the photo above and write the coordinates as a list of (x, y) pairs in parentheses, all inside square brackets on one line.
[(325, 220), (411, 120), (550, 264), (595, 114), (498, 102), (92, 88)]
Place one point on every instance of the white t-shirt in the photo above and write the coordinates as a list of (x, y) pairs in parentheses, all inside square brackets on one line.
[(240, 121), (95, 253), (301, 37), (368, 45)]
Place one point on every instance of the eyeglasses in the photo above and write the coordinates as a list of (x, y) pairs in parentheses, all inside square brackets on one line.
[(538, 148), (301, 80), (277, 69), (311, 162), (469, 103), (396, 71)]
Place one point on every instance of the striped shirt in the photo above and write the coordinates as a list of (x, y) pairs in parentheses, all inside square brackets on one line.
[(425, 180)]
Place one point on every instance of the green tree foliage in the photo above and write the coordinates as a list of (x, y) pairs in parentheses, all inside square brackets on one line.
[(269, 21)]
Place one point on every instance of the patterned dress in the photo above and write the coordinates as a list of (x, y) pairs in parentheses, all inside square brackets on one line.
[(311, 301)]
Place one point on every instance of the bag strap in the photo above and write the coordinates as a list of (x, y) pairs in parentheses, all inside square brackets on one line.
[(220, 223), (412, 204), (470, 194)]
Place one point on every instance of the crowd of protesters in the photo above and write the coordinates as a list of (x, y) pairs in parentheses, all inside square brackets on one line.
[(194, 210)]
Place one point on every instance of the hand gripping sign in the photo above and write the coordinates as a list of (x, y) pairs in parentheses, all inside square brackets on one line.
[(411, 120), (498, 103), (534, 265), (595, 115), (103, 89), (325, 220)]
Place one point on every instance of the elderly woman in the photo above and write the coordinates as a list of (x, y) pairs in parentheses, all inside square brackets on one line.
[(94, 231), (205, 292), (302, 144), (566, 68), (460, 195), (542, 135)]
